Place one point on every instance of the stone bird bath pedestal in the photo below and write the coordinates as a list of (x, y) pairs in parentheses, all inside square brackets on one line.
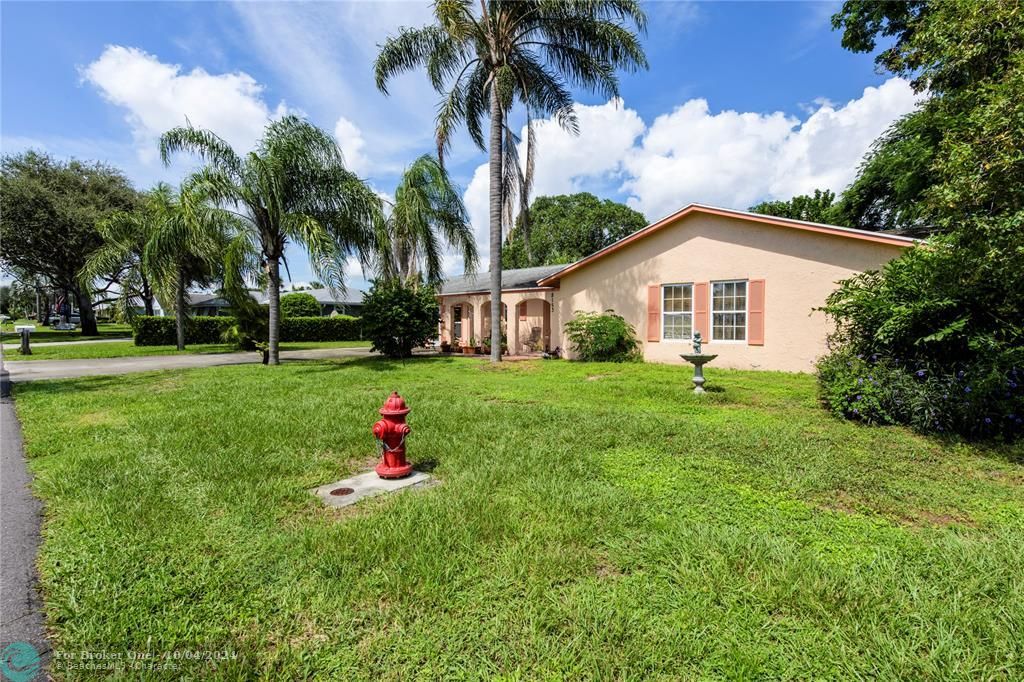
[(698, 360)]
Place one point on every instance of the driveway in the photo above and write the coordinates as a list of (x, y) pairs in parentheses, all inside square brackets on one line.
[(36, 370)]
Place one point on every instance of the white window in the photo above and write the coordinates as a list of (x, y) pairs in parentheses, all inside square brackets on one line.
[(676, 312), (729, 311), (456, 322)]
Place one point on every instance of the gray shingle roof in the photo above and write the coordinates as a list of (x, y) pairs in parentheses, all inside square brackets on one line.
[(521, 278)]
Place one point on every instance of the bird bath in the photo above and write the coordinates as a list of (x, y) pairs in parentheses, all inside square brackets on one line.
[(698, 359)]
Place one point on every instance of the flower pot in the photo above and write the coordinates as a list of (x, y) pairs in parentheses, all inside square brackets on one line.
[(467, 350)]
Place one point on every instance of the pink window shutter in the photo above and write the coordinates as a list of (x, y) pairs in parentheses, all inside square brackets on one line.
[(522, 310), (700, 310), (654, 312), (755, 312)]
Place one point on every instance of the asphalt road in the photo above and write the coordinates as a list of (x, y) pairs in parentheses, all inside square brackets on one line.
[(37, 370), (21, 612)]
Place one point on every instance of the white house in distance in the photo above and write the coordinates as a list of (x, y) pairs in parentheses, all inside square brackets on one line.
[(750, 283)]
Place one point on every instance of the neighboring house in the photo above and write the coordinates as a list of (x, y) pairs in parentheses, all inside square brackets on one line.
[(209, 305), (750, 283), (331, 301)]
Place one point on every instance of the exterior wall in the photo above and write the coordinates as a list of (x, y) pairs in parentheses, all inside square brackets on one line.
[(800, 269), (478, 320)]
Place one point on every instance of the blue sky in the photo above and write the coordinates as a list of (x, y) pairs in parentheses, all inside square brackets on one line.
[(743, 101)]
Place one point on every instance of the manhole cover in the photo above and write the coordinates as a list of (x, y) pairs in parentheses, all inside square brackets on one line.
[(338, 492)]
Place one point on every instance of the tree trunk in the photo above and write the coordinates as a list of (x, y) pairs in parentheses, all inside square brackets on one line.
[(274, 298), (85, 313), (496, 202), (147, 296), (179, 309)]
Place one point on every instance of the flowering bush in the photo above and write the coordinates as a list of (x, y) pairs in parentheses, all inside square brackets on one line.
[(977, 400)]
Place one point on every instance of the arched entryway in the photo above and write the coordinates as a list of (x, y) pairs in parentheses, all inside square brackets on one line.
[(459, 323), (485, 319), (531, 327)]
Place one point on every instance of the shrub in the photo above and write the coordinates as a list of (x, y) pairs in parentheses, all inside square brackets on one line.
[(398, 317), (337, 328), (979, 399), (244, 333), (150, 330), (940, 331), (299, 304), (603, 337)]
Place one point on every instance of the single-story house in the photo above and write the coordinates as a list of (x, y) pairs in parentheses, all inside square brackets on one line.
[(332, 301), (751, 284), (210, 304)]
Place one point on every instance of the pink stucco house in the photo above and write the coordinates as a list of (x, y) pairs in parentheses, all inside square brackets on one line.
[(749, 283)]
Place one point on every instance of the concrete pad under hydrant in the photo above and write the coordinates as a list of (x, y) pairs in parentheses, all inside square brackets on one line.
[(350, 490)]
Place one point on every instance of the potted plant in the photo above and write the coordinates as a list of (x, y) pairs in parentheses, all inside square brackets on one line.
[(446, 346), (467, 346)]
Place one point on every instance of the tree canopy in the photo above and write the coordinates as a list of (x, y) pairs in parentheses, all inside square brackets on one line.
[(961, 152), (568, 227), (816, 208), (50, 212)]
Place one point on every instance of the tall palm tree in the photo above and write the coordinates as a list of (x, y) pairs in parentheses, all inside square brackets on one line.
[(293, 187), (427, 209), (484, 58)]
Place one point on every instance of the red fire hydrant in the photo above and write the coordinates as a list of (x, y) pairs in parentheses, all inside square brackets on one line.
[(390, 433)]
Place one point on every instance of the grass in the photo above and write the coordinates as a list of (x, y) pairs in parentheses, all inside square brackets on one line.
[(593, 522), (129, 349), (107, 330)]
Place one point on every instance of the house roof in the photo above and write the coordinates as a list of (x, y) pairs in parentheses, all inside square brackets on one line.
[(520, 278), (879, 237), (328, 296)]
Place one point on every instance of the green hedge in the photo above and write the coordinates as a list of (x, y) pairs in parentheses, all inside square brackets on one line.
[(337, 328), (160, 331)]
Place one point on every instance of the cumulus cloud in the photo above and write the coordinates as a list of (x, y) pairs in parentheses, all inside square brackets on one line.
[(159, 96), (692, 154), (351, 141)]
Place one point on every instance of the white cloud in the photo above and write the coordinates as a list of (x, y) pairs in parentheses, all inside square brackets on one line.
[(351, 141), (324, 52), (729, 158), (736, 159), (160, 96)]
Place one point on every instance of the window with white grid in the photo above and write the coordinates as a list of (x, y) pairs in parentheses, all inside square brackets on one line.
[(676, 312), (729, 311)]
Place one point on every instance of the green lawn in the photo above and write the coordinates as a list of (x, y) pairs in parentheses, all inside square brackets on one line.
[(129, 349), (107, 330), (593, 522)]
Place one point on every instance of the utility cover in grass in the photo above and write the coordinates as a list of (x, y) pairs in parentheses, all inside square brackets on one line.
[(350, 490)]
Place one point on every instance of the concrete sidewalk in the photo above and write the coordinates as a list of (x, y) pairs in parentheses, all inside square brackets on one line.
[(37, 370), (21, 612)]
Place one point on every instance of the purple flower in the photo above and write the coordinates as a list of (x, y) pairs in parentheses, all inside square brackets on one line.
[(860, 381), (988, 420), (920, 373), (967, 389), (1012, 384), (857, 399), (855, 411)]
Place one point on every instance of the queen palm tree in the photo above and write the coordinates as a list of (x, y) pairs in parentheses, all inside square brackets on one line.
[(427, 209), (124, 237), (482, 61), (293, 187), (178, 241)]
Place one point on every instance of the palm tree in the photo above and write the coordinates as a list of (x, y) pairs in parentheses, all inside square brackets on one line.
[(293, 187), (525, 51), (427, 209), (124, 239), (177, 242)]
